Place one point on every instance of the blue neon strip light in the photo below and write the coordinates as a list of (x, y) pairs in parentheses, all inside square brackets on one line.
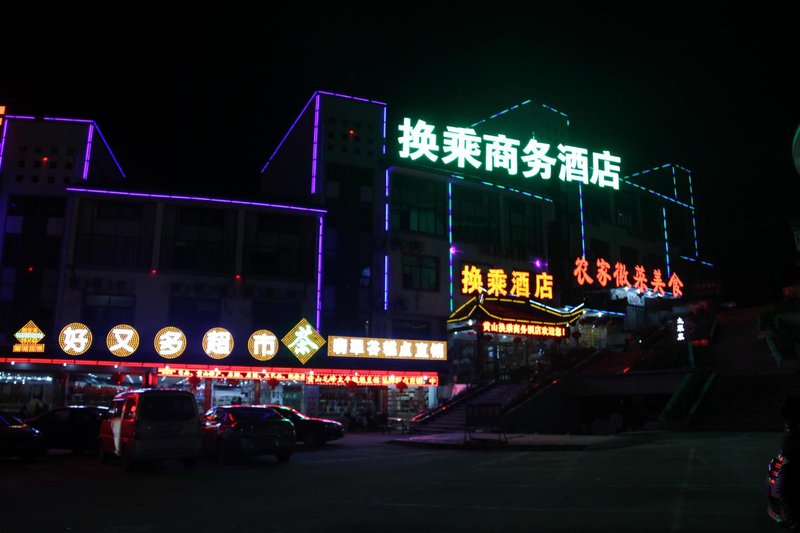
[(517, 106), (515, 190), (196, 198), (103, 138), (665, 197), (313, 96), (583, 233), (339, 95), (694, 219), (666, 238), (384, 130), (386, 282), (3, 142), (695, 260), (674, 183), (319, 272), (315, 146), (88, 153), (450, 237)]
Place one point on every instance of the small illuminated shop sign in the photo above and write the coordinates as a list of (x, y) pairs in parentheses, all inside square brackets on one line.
[(680, 329), (516, 328), (464, 148), (122, 340), (387, 348), (498, 283), (620, 277), (218, 343), (262, 345), (75, 338), (169, 342), (311, 377), (29, 336), (303, 341), (229, 374)]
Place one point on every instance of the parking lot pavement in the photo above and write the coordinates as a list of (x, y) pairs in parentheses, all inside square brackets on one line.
[(522, 441)]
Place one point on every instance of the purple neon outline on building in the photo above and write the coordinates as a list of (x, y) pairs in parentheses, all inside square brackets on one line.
[(84, 120), (384, 130), (3, 142), (20, 117), (339, 95), (88, 152), (319, 273), (103, 138), (275, 152), (451, 248), (315, 146), (583, 233), (386, 282), (195, 198)]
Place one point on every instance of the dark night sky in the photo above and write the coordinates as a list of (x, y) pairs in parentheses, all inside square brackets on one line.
[(708, 85)]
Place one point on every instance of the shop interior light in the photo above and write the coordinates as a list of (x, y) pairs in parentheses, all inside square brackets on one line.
[(237, 277), (153, 272)]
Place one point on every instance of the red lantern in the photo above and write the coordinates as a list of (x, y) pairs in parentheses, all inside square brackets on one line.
[(351, 385), (117, 378), (194, 381), (272, 382), (401, 386)]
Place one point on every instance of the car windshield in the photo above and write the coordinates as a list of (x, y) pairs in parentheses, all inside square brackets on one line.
[(290, 413), (253, 414), (167, 407)]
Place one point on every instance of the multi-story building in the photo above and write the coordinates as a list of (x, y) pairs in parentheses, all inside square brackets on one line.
[(388, 232)]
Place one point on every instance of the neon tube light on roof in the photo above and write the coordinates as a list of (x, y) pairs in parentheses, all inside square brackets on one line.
[(450, 237), (319, 272), (288, 132), (88, 153), (315, 146), (348, 97), (196, 198), (3, 142)]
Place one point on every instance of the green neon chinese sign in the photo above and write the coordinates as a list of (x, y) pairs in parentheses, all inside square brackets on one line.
[(464, 148)]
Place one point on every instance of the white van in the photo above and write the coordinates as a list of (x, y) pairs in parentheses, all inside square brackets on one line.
[(152, 424)]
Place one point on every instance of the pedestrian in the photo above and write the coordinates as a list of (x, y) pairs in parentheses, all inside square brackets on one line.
[(788, 481)]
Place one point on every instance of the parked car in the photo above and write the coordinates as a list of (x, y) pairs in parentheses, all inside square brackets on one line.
[(310, 430), (236, 431), (75, 427), (151, 424), (18, 439)]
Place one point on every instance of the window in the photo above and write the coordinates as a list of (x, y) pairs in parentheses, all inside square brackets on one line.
[(23, 149), (476, 217), (199, 239), (524, 227), (420, 273), (282, 246), (419, 205), (114, 233), (104, 311)]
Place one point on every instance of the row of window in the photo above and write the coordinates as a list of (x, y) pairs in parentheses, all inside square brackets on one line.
[(23, 149), (36, 178), (53, 164)]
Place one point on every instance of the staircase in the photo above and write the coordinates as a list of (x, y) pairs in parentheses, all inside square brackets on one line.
[(738, 347), (452, 419)]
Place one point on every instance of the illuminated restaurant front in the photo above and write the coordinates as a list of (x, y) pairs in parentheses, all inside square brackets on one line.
[(219, 375)]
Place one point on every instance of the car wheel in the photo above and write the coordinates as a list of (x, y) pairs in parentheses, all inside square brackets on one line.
[(283, 456)]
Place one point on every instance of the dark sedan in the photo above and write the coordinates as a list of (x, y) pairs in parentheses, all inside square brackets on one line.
[(18, 439), (236, 431), (75, 427), (310, 430)]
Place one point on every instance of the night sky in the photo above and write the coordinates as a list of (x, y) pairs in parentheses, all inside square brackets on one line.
[(187, 100)]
